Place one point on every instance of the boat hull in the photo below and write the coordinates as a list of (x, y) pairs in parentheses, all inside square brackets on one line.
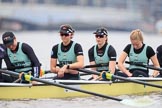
[(26, 91)]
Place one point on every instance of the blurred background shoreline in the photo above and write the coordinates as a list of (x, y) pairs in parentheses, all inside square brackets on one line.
[(117, 15)]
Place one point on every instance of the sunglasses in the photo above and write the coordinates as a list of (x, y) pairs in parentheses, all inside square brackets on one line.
[(99, 36), (64, 34)]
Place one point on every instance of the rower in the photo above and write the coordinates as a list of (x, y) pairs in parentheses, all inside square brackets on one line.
[(137, 52), (20, 55), (69, 55), (102, 53)]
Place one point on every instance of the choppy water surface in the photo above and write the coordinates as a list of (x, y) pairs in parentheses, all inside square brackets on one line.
[(42, 43), (150, 101)]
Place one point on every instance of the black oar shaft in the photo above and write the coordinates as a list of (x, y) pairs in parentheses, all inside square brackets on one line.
[(122, 78), (96, 65), (75, 89), (89, 71), (136, 81), (143, 65), (64, 86)]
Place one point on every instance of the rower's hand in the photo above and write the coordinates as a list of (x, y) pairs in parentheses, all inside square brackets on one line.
[(21, 75), (129, 74), (95, 77), (25, 77), (34, 82), (60, 74), (62, 71)]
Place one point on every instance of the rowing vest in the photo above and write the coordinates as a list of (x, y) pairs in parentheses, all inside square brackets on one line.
[(103, 59), (19, 59), (68, 57), (139, 58)]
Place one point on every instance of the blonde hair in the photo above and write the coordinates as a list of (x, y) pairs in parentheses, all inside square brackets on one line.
[(136, 35)]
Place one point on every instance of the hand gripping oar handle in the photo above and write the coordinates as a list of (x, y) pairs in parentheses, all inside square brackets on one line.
[(110, 76), (143, 65), (61, 85)]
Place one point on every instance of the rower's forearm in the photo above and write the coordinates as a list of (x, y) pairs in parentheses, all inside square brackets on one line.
[(55, 69), (122, 68), (112, 70), (76, 65)]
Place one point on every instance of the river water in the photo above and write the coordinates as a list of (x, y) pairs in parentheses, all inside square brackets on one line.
[(42, 43)]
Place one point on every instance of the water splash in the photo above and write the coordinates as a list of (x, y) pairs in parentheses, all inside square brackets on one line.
[(139, 101)]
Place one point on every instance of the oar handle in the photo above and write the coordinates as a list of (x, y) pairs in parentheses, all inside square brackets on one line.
[(92, 66), (89, 71), (143, 65), (96, 65), (17, 67), (12, 68), (136, 63)]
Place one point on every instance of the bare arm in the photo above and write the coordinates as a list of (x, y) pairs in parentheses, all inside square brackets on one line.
[(53, 65), (121, 61), (156, 64), (95, 77), (66, 69), (112, 65), (79, 63)]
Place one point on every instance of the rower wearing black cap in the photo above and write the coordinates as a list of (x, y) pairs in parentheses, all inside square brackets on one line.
[(68, 54), (20, 56), (102, 53)]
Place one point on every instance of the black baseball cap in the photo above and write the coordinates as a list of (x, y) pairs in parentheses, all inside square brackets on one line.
[(66, 29), (101, 31), (8, 38)]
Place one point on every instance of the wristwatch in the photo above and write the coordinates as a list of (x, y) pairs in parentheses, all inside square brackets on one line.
[(68, 66)]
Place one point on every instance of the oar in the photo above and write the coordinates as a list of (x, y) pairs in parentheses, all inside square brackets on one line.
[(96, 65), (48, 71), (123, 101), (143, 65), (42, 72), (111, 76)]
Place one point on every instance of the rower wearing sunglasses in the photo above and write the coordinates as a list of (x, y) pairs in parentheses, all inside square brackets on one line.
[(102, 53), (68, 54)]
